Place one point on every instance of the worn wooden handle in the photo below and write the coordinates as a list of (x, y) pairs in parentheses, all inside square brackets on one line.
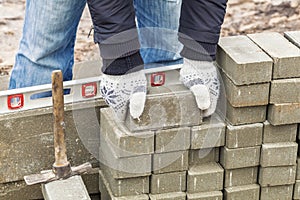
[(58, 116)]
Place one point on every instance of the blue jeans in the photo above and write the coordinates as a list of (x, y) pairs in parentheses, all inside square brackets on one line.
[(158, 20), (49, 35)]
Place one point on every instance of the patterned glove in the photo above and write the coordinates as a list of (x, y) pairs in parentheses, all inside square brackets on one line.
[(119, 91), (201, 78)]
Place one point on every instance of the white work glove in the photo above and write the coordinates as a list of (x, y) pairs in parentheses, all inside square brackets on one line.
[(201, 78), (119, 91)]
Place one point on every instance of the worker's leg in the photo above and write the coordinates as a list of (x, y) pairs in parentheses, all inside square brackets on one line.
[(201, 21), (116, 33), (200, 25), (47, 42), (158, 23)]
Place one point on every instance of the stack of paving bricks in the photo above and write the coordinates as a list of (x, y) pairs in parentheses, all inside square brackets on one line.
[(261, 74), (174, 153), (155, 158)]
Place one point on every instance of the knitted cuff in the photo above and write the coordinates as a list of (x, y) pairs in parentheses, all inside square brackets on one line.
[(196, 50), (119, 48), (131, 62)]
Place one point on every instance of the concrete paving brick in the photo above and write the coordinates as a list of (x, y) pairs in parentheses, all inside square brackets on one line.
[(170, 162), (126, 187), (215, 195), (298, 169), (281, 114), (296, 194), (243, 61), (283, 133), (242, 192), (246, 95), (166, 108), (168, 196), (174, 139), (125, 167), (245, 115), (126, 143), (168, 182), (205, 178), (293, 36), (278, 154), (239, 177), (201, 156), (273, 176), (69, 189), (282, 192), (239, 158), (285, 55), (291, 88), (20, 190), (106, 193), (209, 134), (27, 139), (299, 132), (244, 135)]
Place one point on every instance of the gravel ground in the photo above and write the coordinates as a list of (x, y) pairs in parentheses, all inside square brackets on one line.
[(243, 17)]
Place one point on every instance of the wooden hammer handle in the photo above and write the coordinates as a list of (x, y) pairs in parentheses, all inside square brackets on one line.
[(58, 116)]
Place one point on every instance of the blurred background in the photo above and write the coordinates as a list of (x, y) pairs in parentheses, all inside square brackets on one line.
[(243, 17)]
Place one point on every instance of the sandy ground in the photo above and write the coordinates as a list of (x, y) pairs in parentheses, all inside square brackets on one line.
[(243, 16)]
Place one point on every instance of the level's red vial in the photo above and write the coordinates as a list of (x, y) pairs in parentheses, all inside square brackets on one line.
[(89, 90), (158, 79), (15, 101)]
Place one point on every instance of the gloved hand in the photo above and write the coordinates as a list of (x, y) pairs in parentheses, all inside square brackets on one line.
[(201, 78), (119, 91)]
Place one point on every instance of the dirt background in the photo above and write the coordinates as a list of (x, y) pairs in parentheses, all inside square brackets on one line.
[(243, 17)]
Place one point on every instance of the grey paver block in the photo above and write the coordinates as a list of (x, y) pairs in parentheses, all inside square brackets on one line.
[(125, 167), (243, 61), (167, 107), (69, 189), (20, 190), (91, 181), (296, 194), (124, 142), (244, 135), (282, 192), (291, 88), (168, 182), (214, 195), (245, 115), (242, 192), (240, 158), (273, 176), (168, 196), (280, 114), (27, 139), (204, 178), (106, 193), (174, 139), (283, 133), (126, 187), (209, 134), (299, 132), (170, 162), (298, 169), (285, 55), (201, 156), (241, 176), (294, 37), (246, 95), (278, 154)]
